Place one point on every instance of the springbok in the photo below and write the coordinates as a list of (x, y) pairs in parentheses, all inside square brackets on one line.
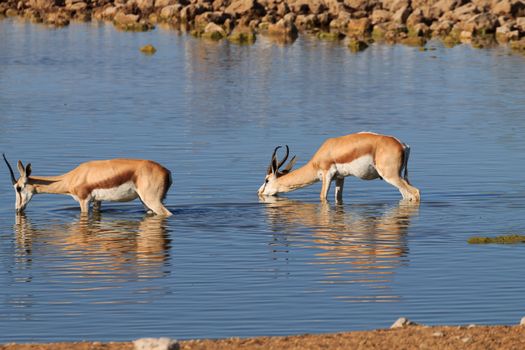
[(118, 180), (364, 155)]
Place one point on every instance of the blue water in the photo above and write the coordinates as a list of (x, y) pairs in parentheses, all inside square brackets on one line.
[(228, 264)]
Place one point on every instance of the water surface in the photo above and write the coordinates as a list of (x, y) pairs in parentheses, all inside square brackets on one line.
[(227, 264)]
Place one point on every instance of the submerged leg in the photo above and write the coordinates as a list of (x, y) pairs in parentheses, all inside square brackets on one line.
[(154, 204), (339, 184), (327, 181), (97, 205), (407, 191), (84, 205)]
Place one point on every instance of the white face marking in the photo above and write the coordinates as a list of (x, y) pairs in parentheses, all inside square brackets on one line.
[(269, 187), (24, 193), (362, 167), (123, 193)]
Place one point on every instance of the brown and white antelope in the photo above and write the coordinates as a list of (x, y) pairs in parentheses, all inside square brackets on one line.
[(364, 155), (117, 180)]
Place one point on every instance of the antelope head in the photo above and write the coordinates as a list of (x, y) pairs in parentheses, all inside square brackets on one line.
[(270, 187), (24, 190)]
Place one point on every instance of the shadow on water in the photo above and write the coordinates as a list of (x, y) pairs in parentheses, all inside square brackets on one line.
[(357, 244), (94, 245)]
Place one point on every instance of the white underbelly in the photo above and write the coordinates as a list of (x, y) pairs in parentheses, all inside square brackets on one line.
[(123, 193), (362, 167)]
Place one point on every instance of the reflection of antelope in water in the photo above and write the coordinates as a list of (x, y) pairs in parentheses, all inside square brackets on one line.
[(353, 244), (97, 244)]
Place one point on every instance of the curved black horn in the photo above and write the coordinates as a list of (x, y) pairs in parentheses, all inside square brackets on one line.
[(285, 157), (273, 160), (275, 152), (13, 179)]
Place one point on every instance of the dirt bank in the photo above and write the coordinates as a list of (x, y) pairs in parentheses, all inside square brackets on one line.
[(412, 337), (479, 22)]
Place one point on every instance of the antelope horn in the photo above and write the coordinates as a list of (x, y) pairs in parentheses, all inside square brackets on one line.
[(285, 157), (13, 179), (272, 160)]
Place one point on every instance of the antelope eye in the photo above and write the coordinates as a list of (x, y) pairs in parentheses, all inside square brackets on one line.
[(266, 181), (18, 188)]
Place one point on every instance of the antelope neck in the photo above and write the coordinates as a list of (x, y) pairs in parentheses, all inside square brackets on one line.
[(304, 176)]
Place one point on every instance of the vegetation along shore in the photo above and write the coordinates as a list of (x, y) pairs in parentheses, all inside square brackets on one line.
[(478, 22)]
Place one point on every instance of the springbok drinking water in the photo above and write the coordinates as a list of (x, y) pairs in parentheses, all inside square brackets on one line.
[(364, 155), (118, 180)]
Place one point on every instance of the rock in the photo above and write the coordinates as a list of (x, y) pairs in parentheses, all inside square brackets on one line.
[(148, 49), (285, 29), (401, 15), (394, 5), (419, 30), (170, 11), (522, 322), (11, 13), (515, 8), (42, 4), (518, 45), (188, 13), (213, 32), (444, 6), (378, 32), (438, 334), (466, 36), (145, 6), (380, 16), (481, 24), (442, 28), (282, 9), (520, 24), (402, 322), (58, 19), (415, 17), (164, 3), (156, 344), (355, 5), (77, 6), (202, 20), (130, 22), (242, 35), (359, 27), (306, 22), (123, 19), (109, 12), (466, 11), (307, 6), (241, 8)]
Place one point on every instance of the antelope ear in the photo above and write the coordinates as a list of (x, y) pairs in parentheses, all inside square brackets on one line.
[(28, 169), (21, 169), (290, 165)]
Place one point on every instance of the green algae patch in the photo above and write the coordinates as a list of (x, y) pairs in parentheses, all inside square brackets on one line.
[(356, 45), (507, 239), (330, 36), (243, 36), (148, 49)]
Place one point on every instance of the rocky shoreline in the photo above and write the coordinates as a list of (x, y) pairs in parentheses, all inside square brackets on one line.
[(478, 22), (411, 337)]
